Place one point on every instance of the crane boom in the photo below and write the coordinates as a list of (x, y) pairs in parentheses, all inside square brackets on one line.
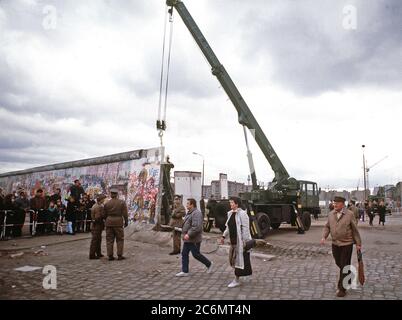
[(245, 116)]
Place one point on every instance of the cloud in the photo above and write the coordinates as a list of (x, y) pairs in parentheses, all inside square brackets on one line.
[(90, 87), (311, 51)]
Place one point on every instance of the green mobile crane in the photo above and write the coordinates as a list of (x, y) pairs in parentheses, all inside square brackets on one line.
[(286, 200)]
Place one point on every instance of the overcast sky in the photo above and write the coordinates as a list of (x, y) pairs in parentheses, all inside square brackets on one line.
[(80, 79)]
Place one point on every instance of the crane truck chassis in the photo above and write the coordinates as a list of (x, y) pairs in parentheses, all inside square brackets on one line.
[(286, 200)]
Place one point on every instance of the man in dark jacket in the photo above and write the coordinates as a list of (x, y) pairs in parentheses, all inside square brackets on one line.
[(71, 215), (89, 203), (202, 206), (22, 203), (116, 216), (211, 207), (76, 190), (56, 196), (38, 202), (381, 212), (192, 236)]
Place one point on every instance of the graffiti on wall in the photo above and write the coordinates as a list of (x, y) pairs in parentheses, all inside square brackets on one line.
[(137, 181)]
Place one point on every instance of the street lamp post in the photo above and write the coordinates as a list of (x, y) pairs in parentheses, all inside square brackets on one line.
[(364, 174), (203, 163)]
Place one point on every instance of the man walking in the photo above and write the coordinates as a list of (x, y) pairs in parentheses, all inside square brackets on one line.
[(381, 212), (177, 221), (116, 217), (97, 217), (342, 226), (38, 204), (192, 236)]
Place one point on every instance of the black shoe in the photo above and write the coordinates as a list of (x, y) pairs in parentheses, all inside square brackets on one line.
[(93, 257), (174, 252), (100, 255), (121, 258), (111, 258), (341, 293)]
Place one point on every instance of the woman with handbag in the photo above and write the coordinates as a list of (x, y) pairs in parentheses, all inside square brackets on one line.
[(238, 231)]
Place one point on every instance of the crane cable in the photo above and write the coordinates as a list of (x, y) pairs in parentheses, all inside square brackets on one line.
[(161, 121)]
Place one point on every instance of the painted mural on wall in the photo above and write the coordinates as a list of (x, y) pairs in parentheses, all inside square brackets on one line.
[(137, 181)]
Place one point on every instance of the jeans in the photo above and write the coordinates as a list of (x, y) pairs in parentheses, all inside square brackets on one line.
[(195, 251), (69, 228)]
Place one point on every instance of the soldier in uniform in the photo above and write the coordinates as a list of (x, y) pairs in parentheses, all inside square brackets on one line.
[(98, 224), (116, 218), (355, 210), (177, 221), (202, 206)]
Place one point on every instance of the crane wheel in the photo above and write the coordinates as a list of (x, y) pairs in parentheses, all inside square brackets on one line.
[(306, 219), (275, 225), (264, 223)]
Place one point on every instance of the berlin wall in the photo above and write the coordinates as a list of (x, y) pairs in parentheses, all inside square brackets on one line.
[(136, 174)]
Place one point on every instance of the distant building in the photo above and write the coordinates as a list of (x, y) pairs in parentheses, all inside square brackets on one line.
[(224, 189), (389, 191), (359, 195), (206, 191), (398, 194), (223, 186), (327, 196), (398, 191), (188, 185)]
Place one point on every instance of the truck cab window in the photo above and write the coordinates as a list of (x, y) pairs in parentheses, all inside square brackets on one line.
[(310, 189)]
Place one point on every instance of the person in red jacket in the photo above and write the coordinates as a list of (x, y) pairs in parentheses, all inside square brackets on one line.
[(37, 203)]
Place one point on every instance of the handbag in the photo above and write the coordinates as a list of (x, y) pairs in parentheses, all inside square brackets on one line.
[(249, 244), (360, 271)]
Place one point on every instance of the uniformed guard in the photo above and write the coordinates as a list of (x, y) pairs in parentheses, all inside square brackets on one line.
[(98, 224), (116, 218), (177, 221), (355, 210)]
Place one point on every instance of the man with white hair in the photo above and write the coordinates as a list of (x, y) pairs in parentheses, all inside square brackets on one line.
[(342, 226)]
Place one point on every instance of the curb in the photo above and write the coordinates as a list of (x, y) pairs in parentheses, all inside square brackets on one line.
[(16, 248)]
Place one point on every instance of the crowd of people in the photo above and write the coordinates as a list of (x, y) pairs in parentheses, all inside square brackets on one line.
[(47, 213), (368, 209)]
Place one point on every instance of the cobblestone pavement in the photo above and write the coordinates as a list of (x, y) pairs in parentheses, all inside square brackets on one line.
[(299, 271)]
